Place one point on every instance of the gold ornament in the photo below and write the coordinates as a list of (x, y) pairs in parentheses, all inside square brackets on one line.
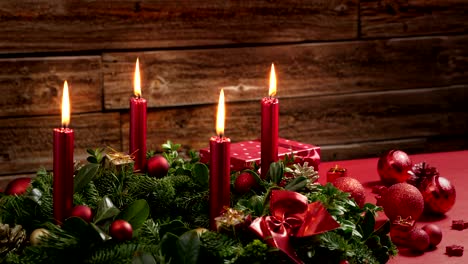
[(36, 235)]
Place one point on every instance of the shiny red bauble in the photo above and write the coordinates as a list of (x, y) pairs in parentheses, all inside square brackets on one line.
[(439, 195), (418, 240), (402, 200), (83, 212), (18, 186), (353, 187), (434, 232), (157, 166), (394, 166), (121, 230)]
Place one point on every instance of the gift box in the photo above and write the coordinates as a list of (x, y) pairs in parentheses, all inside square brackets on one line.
[(247, 153)]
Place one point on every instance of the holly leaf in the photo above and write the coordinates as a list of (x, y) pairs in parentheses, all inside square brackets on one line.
[(175, 227), (276, 172), (82, 229), (297, 184), (188, 247), (105, 210), (144, 258), (367, 225), (136, 213), (85, 175), (101, 233), (200, 174)]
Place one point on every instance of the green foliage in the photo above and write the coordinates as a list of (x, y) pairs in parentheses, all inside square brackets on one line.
[(169, 214)]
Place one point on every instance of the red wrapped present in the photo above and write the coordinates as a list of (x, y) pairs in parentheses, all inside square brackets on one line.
[(244, 154)]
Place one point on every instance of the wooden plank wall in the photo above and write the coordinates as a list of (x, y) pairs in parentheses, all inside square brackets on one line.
[(354, 77)]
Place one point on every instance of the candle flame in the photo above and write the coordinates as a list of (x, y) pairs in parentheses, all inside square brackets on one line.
[(221, 115), (65, 106), (272, 90), (136, 80)]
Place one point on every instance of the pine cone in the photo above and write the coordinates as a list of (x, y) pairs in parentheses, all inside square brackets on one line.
[(422, 172), (11, 239), (305, 171)]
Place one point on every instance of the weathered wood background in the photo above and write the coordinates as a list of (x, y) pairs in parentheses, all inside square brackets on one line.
[(354, 77)]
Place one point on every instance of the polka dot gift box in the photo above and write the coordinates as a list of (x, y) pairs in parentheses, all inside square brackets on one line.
[(244, 154)]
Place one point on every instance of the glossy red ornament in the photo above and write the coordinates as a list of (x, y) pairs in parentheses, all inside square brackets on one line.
[(418, 240), (439, 195), (121, 230), (353, 187), (394, 166), (434, 232), (157, 166), (244, 183), (83, 212), (402, 200), (18, 186)]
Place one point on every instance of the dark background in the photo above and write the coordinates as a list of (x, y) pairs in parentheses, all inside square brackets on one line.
[(354, 77)]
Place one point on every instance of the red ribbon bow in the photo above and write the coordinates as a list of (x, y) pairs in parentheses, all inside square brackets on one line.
[(291, 215)]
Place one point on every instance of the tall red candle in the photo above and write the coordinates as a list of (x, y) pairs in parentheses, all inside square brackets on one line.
[(63, 163), (269, 129), (138, 124), (220, 149)]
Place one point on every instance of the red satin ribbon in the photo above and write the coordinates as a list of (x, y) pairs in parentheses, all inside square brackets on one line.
[(291, 215)]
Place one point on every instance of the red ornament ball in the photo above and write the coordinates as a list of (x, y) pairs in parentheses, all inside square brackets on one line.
[(435, 234), (418, 239), (83, 212), (394, 166), (18, 186), (121, 230), (244, 183), (404, 200), (439, 195), (352, 186), (157, 166)]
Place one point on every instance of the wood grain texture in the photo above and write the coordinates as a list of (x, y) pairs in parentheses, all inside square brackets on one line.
[(374, 149), (33, 86), (390, 18), (193, 77), (26, 143), (120, 24), (321, 120)]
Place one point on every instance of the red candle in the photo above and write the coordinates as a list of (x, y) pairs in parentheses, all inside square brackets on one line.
[(138, 124), (219, 167), (63, 164), (269, 129)]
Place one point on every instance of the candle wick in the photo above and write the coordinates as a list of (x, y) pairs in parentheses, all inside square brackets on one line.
[(220, 135)]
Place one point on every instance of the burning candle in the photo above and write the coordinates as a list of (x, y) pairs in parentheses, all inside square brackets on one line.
[(269, 129), (219, 167), (138, 124), (63, 163)]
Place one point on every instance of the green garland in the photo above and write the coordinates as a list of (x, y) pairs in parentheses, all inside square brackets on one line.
[(169, 217)]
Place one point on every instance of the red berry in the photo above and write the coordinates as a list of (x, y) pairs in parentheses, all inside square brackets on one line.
[(18, 186), (244, 183), (121, 230), (83, 212), (434, 232), (157, 166)]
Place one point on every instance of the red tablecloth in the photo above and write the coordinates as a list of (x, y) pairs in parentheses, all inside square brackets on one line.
[(451, 165)]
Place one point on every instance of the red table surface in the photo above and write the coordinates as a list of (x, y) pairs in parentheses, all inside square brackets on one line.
[(451, 165)]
